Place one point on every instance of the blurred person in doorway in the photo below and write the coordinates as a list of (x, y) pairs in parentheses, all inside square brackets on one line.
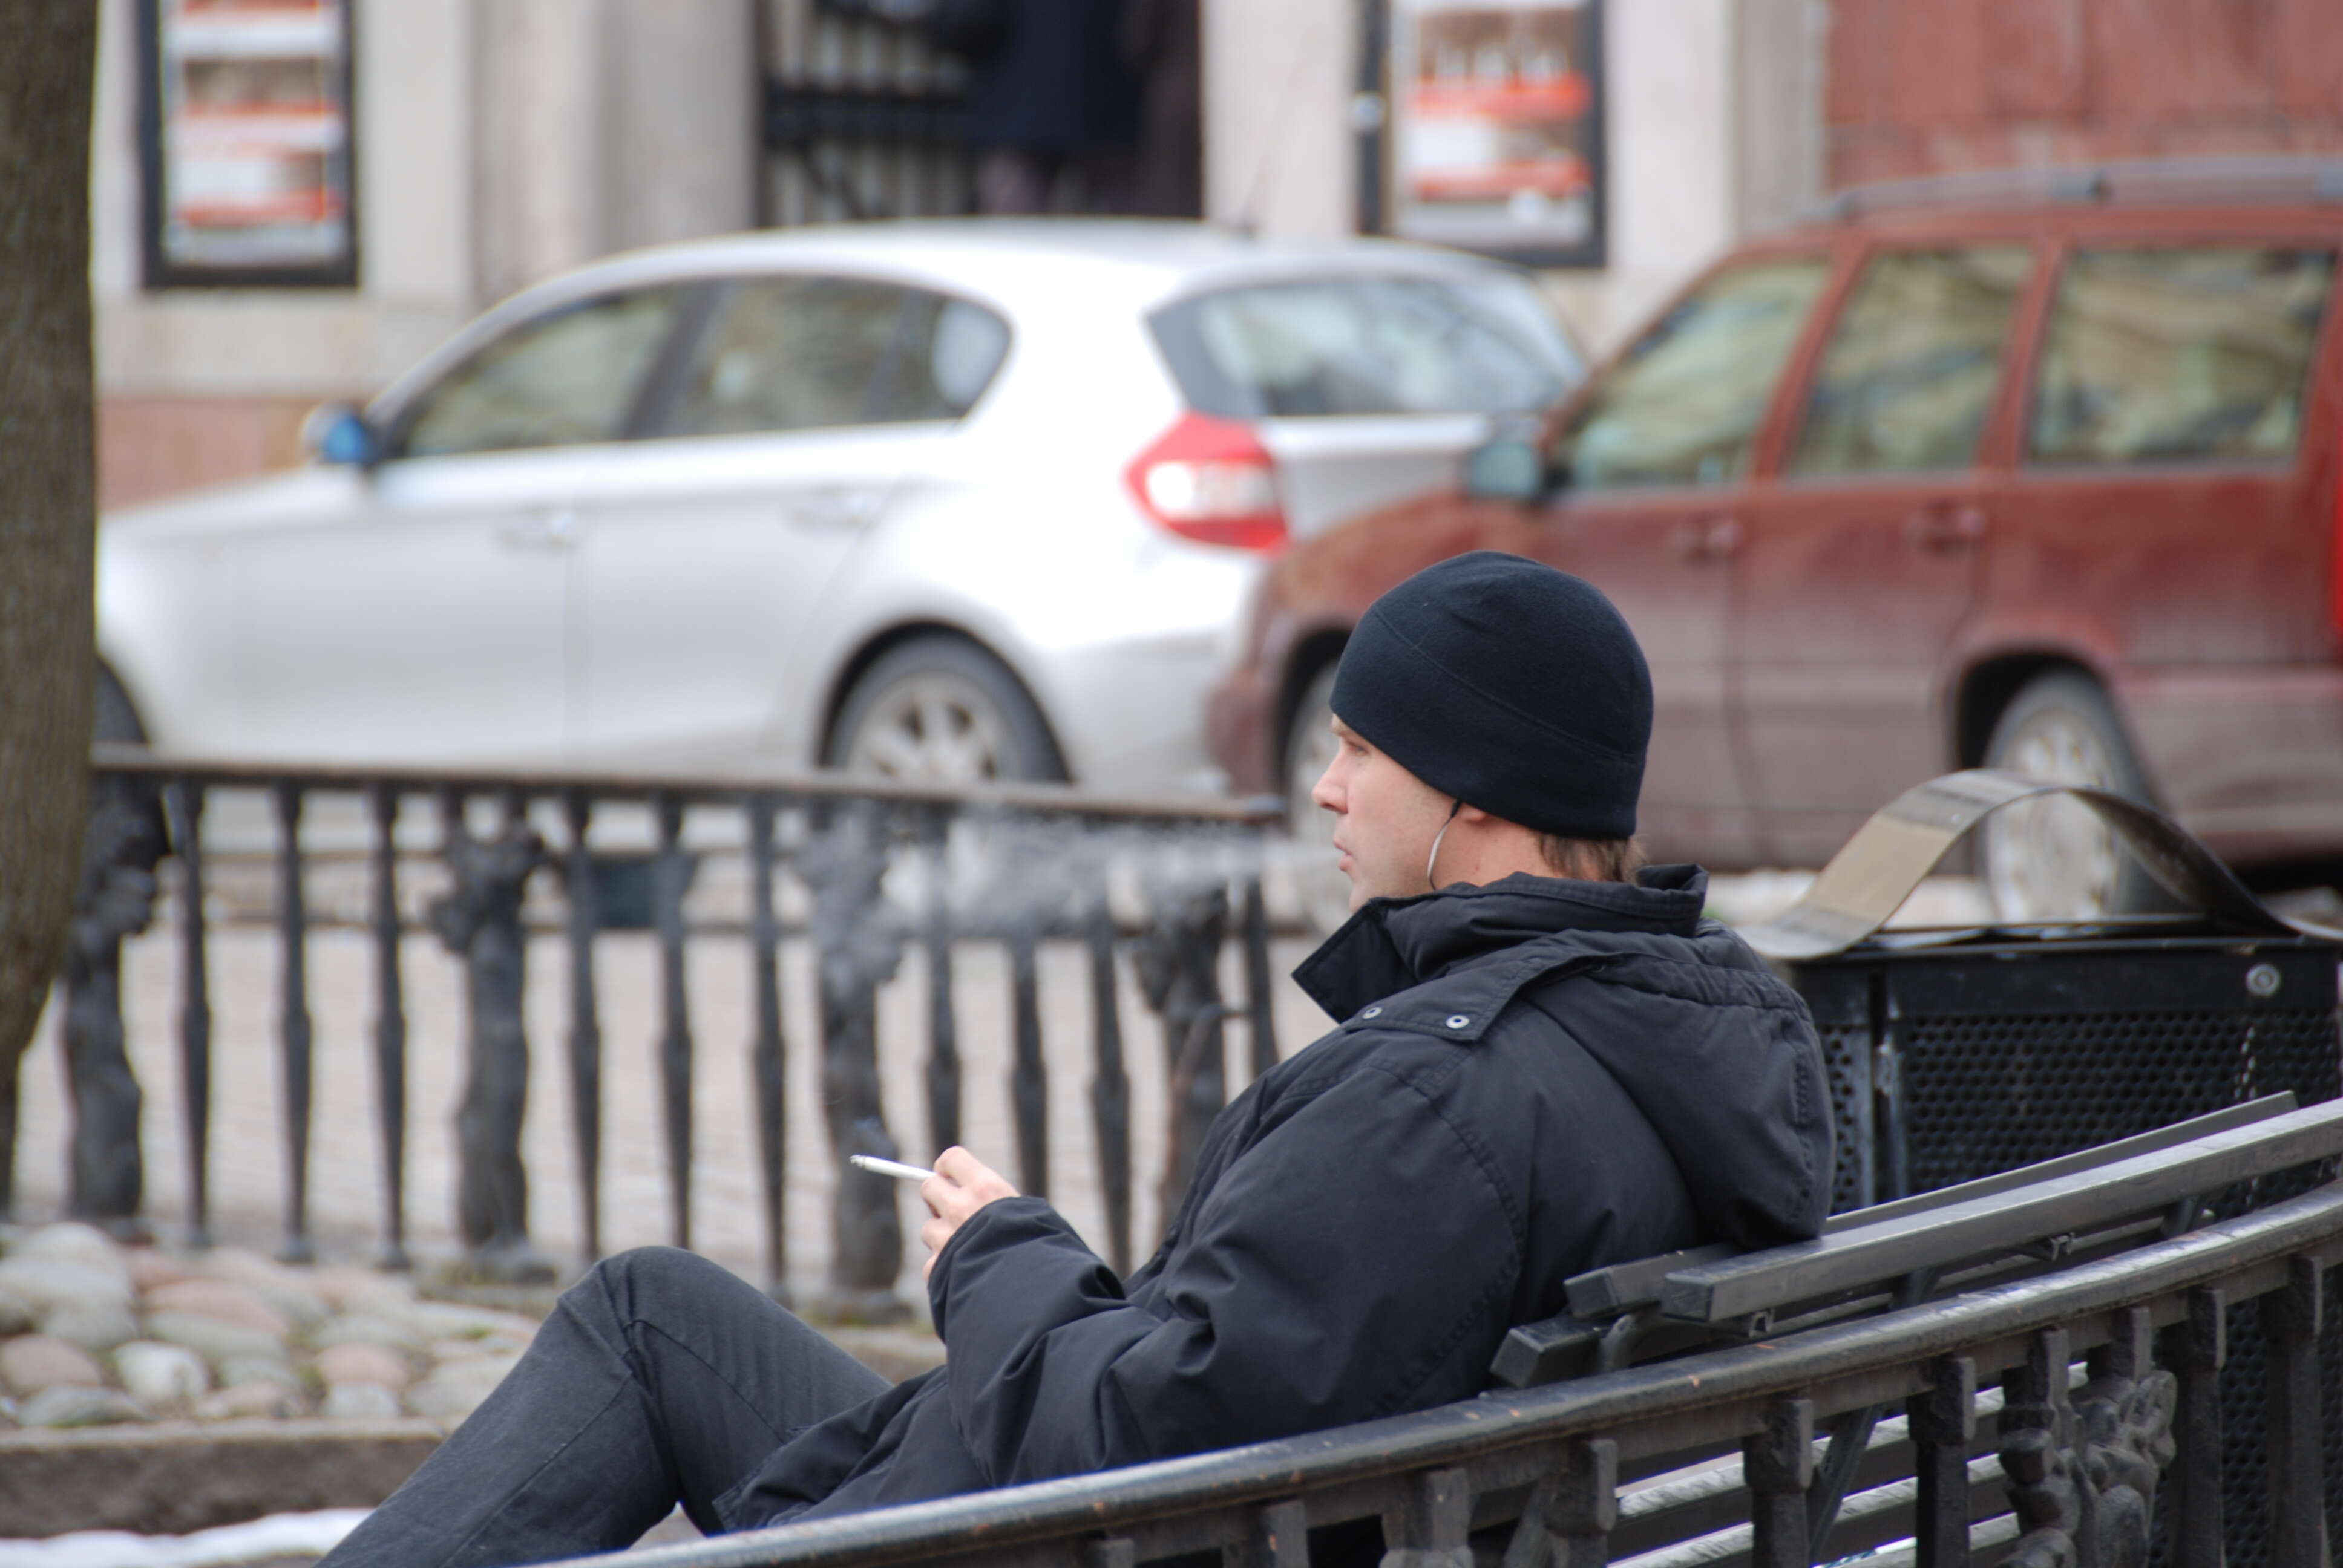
[(1548, 1061), (1163, 43), (1052, 109)]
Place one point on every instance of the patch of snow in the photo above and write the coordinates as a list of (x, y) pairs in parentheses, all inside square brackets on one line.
[(279, 1535)]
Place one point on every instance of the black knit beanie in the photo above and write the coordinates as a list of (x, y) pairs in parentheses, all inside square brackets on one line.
[(1509, 685)]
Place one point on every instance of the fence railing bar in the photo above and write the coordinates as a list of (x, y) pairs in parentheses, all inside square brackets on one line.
[(187, 805), (390, 1027), (1109, 1083), (1261, 992), (583, 901), (1029, 1080), (767, 1054), (669, 873), (943, 1074), (294, 1038)]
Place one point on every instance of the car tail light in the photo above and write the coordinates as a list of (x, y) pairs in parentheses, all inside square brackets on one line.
[(1212, 480)]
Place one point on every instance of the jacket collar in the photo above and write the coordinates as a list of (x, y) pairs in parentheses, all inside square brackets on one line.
[(1493, 939)]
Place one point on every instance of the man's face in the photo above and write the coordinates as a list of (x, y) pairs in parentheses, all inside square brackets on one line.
[(1387, 819)]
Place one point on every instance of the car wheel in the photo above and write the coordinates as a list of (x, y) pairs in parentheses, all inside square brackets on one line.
[(116, 721), (941, 710), (1319, 885), (2054, 860)]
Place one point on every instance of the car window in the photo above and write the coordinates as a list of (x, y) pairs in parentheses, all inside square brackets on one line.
[(2171, 355), (1911, 367), (1681, 407), (1352, 346), (566, 378), (811, 353)]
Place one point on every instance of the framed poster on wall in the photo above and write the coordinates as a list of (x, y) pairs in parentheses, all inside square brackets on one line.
[(1494, 133), (245, 144)]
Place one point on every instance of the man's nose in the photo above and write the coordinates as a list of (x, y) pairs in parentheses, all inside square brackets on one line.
[(1327, 794)]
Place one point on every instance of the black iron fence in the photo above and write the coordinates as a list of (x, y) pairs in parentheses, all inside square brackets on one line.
[(875, 874)]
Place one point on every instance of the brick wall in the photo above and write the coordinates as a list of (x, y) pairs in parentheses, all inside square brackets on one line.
[(1925, 86), (149, 447)]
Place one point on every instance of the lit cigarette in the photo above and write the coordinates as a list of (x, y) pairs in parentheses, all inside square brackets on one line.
[(895, 1168)]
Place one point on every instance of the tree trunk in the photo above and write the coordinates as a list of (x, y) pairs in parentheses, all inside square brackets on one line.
[(47, 504)]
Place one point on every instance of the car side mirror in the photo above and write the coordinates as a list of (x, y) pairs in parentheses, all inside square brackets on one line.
[(1505, 470), (338, 434)]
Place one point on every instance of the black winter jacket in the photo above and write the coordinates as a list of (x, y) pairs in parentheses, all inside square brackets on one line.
[(1534, 1079)]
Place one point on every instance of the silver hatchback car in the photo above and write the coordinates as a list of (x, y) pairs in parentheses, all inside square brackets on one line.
[(946, 501)]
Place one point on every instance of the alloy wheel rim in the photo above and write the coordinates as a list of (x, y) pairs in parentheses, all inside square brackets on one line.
[(933, 729), (2053, 858)]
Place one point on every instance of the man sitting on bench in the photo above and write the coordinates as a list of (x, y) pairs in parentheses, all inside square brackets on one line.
[(1548, 1061)]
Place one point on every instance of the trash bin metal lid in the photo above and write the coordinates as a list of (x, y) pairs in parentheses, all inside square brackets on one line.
[(1875, 871)]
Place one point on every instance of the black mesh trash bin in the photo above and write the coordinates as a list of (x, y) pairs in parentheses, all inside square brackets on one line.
[(1958, 1054)]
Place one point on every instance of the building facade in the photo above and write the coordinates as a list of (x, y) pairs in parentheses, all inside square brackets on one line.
[(487, 143)]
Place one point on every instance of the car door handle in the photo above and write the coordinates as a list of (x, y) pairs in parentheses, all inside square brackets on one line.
[(1945, 530), (556, 530), (833, 508), (1708, 539)]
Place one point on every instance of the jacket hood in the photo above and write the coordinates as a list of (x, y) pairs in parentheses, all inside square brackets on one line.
[(1718, 1054)]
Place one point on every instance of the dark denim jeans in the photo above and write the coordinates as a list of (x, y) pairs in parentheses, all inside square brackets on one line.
[(659, 1379)]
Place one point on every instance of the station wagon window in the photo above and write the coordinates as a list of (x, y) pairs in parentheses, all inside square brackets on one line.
[(2175, 355), (816, 353), (1327, 347), (1910, 371), (1683, 405), (566, 378)]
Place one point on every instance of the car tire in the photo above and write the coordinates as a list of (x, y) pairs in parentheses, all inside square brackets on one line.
[(116, 720), (943, 710), (2054, 860), (1320, 888)]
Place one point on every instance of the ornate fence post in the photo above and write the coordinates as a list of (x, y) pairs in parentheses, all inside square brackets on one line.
[(480, 919), (1029, 1074), (858, 947), (295, 1043), (186, 798), (768, 1052), (124, 841), (1179, 962), (389, 1025), (670, 873), (581, 889), (1111, 1085), (2083, 1468)]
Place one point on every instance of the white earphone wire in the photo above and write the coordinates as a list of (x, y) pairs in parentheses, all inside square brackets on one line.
[(1433, 858)]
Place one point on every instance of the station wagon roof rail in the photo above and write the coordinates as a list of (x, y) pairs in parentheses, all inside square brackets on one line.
[(2254, 177)]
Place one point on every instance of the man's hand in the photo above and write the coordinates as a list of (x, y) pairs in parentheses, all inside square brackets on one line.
[(962, 1185)]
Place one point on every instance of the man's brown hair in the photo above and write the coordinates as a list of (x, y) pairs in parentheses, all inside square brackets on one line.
[(1592, 859)]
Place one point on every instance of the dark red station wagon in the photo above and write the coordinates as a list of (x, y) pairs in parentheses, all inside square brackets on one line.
[(2035, 471)]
